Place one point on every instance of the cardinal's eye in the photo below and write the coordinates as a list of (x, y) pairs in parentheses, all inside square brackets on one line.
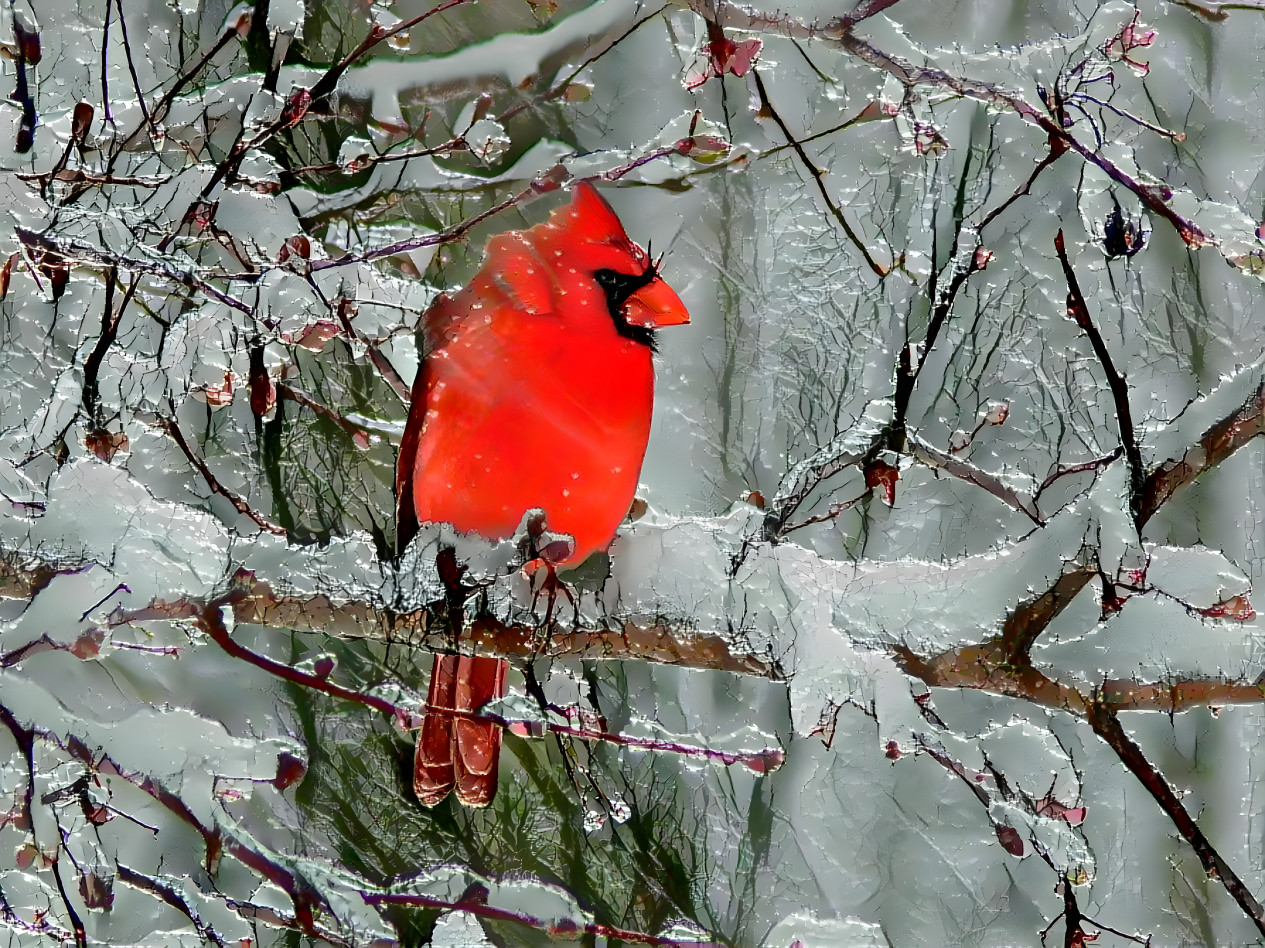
[(618, 287)]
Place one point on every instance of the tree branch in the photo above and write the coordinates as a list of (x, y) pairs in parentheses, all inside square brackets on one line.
[(1105, 721), (1079, 311)]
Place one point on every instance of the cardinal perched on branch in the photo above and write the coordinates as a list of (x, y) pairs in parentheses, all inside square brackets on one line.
[(534, 393)]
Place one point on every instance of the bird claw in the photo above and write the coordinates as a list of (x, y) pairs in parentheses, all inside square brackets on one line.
[(551, 585)]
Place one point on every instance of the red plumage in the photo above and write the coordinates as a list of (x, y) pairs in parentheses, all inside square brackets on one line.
[(535, 390)]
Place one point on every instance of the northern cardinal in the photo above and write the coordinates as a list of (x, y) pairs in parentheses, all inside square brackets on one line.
[(535, 392)]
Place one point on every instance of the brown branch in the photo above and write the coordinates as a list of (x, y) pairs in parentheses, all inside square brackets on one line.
[(209, 618), (1216, 444), (936, 459), (1174, 697), (865, 10), (1026, 623), (988, 667), (1105, 721), (996, 666), (172, 896), (984, 668), (1002, 665), (256, 603), (76, 176), (1216, 12)]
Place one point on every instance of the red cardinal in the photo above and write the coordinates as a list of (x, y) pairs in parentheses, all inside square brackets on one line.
[(535, 391)]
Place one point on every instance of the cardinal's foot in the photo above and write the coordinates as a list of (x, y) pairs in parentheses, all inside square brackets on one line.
[(544, 580)]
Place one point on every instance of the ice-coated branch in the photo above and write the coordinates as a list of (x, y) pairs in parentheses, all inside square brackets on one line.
[(1105, 720), (1078, 310), (552, 927), (1217, 444), (170, 426), (24, 737), (839, 32), (818, 176)]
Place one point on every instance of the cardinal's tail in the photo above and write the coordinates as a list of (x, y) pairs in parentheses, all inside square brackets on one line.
[(458, 751), (433, 767), (477, 744)]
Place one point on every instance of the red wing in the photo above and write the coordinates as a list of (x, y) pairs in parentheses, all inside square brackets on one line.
[(410, 444), (512, 280), (512, 277)]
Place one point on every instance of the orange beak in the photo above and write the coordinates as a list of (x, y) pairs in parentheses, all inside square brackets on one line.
[(654, 306)]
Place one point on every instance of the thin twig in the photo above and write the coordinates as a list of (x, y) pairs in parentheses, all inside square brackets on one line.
[(300, 397), (172, 429), (131, 68), (1079, 311), (1097, 464), (380, 362), (933, 457), (818, 176), (377, 34), (1024, 189), (839, 33), (494, 913), (75, 251), (454, 233), (24, 737)]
